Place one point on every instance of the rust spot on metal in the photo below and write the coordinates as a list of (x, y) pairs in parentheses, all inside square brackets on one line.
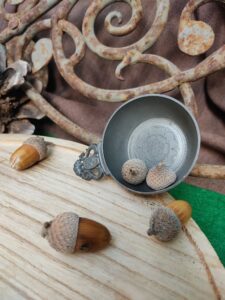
[(194, 37)]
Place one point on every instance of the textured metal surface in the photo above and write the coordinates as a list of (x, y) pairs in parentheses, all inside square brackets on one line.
[(134, 56), (142, 45), (136, 16), (19, 21), (213, 63), (157, 140), (58, 118), (194, 37)]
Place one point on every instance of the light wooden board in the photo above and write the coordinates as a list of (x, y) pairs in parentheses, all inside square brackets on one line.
[(134, 266)]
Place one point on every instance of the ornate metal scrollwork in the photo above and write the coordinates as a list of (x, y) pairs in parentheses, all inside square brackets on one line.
[(88, 166)]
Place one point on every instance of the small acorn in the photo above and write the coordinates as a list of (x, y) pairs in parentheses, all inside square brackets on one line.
[(182, 209), (134, 171), (69, 233), (33, 150), (164, 224), (160, 177)]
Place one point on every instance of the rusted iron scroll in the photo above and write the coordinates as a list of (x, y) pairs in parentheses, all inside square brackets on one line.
[(194, 37)]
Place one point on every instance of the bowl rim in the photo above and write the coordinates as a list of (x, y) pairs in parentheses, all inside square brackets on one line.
[(197, 149)]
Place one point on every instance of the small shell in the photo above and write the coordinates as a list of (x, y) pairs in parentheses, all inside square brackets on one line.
[(164, 224), (182, 209), (160, 177), (134, 171)]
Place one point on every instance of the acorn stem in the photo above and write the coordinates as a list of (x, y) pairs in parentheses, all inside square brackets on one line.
[(150, 231), (45, 227)]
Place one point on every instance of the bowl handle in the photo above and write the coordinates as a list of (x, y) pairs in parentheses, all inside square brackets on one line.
[(91, 164)]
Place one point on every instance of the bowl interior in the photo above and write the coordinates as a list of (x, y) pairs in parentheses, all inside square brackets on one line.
[(153, 128)]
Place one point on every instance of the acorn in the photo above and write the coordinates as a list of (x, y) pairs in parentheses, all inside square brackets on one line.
[(68, 233), (160, 177), (182, 209), (134, 171), (164, 224), (32, 151)]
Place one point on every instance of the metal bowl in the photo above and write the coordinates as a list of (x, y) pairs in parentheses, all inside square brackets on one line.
[(153, 128)]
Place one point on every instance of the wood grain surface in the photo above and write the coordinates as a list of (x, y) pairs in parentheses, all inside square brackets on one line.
[(134, 266)]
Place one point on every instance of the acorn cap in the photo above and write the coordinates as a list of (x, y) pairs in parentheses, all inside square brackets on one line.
[(160, 177), (62, 231), (134, 171), (39, 144), (164, 224)]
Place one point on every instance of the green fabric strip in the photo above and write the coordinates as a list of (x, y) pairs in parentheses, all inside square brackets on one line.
[(208, 212)]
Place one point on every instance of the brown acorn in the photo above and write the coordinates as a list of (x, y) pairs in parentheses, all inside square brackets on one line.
[(182, 209), (69, 233), (33, 150)]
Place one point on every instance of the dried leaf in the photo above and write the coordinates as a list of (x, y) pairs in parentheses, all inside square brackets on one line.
[(21, 126), (22, 67), (13, 76), (6, 79), (41, 54)]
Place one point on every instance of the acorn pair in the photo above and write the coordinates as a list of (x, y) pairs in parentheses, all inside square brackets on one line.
[(68, 233), (135, 171)]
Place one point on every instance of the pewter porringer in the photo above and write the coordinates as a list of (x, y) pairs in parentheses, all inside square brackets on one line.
[(152, 128)]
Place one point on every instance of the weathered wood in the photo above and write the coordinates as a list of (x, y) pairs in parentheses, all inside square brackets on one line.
[(134, 266)]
